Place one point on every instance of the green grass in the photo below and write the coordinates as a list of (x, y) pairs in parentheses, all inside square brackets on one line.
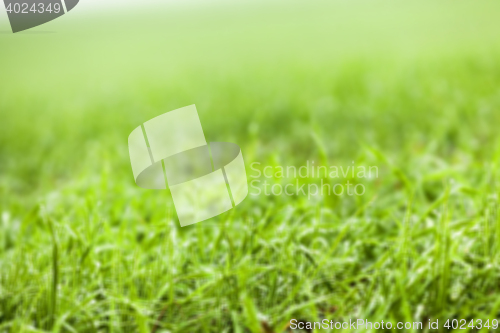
[(411, 88)]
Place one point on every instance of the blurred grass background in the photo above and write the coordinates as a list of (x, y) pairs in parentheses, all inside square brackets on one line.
[(412, 87)]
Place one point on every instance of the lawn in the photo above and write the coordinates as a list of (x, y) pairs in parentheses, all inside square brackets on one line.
[(410, 88)]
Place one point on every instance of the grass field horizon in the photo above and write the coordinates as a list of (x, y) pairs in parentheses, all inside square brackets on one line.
[(413, 89)]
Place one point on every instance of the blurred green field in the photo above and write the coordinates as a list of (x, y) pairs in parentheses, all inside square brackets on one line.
[(410, 87)]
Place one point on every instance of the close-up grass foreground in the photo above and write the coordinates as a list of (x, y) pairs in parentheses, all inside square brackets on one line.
[(412, 89)]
